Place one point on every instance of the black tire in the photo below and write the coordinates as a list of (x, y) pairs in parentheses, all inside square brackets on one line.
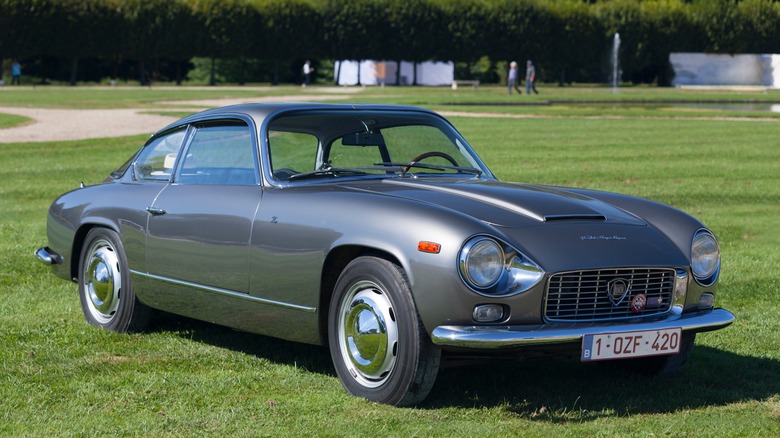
[(107, 296), (378, 344), (662, 366)]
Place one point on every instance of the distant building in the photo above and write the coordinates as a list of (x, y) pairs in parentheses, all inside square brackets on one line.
[(734, 70)]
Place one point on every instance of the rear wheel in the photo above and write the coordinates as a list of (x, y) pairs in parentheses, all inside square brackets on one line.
[(107, 297), (379, 347)]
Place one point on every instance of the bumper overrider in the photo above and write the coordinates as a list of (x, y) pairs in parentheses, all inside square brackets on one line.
[(507, 337), (48, 256)]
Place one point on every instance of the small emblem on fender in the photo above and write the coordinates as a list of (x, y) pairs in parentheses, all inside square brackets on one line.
[(639, 303), (617, 289)]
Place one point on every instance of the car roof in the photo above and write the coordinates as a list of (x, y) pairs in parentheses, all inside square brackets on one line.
[(260, 111)]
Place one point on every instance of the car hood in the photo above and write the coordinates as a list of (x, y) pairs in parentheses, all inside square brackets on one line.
[(560, 229), (509, 204)]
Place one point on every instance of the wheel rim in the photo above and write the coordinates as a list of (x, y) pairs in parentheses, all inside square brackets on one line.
[(368, 334), (102, 281)]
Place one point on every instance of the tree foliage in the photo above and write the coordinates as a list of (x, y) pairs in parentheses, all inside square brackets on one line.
[(568, 39)]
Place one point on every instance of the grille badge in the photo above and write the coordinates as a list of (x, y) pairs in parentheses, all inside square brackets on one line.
[(617, 290), (639, 303)]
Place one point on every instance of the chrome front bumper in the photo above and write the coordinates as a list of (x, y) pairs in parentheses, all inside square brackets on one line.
[(498, 337), (48, 256)]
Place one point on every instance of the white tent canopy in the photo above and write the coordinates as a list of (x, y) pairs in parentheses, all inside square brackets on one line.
[(373, 72), (719, 69)]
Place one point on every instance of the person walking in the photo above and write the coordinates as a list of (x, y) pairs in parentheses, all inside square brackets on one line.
[(307, 70), (530, 77), (16, 73), (511, 81)]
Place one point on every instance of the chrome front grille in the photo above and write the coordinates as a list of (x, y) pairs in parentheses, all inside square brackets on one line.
[(584, 296)]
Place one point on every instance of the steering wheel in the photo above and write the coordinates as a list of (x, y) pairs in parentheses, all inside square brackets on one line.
[(429, 155)]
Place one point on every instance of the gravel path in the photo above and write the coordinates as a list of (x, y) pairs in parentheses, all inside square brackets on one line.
[(71, 124), (68, 124)]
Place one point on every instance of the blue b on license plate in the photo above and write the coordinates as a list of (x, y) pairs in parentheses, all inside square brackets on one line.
[(631, 344)]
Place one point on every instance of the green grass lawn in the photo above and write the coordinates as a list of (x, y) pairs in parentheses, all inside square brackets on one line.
[(122, 97), (11, 120), (184, 378)]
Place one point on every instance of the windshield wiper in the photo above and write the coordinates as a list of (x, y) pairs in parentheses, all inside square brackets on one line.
[(329, 172), (404, 167)]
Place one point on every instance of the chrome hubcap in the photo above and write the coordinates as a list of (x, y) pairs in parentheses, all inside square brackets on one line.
[(102, 281), (368, 334)]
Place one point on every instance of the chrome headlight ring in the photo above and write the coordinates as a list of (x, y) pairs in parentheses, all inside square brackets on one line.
[(493, 268), (481, 262), (705, 257)]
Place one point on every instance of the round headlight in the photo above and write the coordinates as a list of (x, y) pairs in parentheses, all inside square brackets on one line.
[(705, 256), (481, 262)]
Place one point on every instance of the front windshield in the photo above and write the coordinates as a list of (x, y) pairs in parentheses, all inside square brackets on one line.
[(321, 144)]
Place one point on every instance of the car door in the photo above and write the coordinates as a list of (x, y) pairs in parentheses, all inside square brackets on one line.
[(151, 172), (200, 225)]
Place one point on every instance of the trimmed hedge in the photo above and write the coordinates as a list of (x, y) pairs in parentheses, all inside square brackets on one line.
[(568, 39)]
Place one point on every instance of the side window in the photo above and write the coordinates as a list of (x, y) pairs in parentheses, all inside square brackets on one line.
[(291, 153), (219, 154), (155, 163)]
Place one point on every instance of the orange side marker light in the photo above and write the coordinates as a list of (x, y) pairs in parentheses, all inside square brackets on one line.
[(430, 247)]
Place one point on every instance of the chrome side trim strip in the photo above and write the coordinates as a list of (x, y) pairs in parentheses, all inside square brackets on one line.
[(496, 337), (225, 292)]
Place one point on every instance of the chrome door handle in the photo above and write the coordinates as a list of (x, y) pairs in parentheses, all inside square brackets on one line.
[(156, 211)]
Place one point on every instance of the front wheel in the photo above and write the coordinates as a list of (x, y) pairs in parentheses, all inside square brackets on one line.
[(379, 347), (106, 294)]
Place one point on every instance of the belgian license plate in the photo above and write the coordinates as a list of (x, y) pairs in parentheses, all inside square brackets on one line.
[(631, 344)]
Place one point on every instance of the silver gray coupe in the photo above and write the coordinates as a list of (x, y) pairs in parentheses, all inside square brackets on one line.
[(378, 232)]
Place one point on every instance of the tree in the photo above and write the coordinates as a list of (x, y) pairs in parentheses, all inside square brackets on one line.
[(289, 29), (577, 44), (154, 29)]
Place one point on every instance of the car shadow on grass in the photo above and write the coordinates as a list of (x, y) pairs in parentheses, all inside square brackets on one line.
[(310, 357), (553, 389), (561, 389)]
